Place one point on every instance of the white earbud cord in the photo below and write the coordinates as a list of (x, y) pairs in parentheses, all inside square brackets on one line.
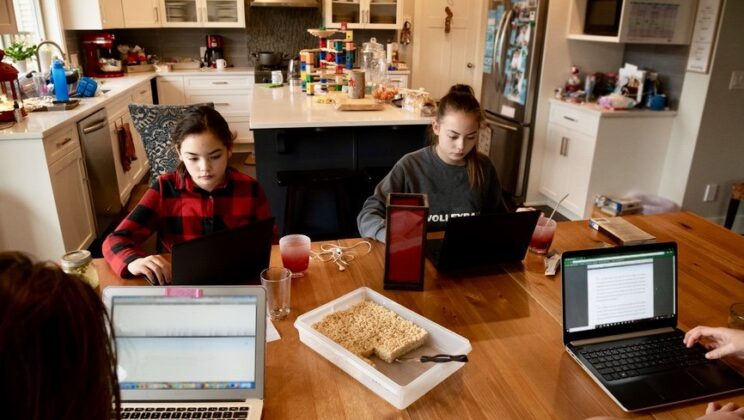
[(340, 255)]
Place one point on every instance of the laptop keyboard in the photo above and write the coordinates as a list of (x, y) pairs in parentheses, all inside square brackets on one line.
[(212, 412), (650, 355)]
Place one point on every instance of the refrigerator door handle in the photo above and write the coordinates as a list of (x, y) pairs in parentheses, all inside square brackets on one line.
[(501, 77), (504, 126), (497, 61)]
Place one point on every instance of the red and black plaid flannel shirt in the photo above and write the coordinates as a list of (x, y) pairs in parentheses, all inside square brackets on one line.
[(178, 210)]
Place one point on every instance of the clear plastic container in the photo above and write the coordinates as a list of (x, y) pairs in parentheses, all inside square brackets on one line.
[(653, 204), (400, 384)]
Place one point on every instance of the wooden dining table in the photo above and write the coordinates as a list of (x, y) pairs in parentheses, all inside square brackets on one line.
[(518, 367)]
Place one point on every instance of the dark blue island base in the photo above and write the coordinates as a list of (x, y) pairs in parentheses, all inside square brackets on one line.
[(368, 151)]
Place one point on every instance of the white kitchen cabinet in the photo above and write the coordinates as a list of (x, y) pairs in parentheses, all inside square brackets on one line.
[(203, 13), (401, 78), (363, 14), (589, 152), (92, 14), (118, 115), (142, 13), (7, 17), (72, 199), (231, 95)]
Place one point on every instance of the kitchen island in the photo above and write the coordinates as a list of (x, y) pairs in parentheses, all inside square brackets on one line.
[(293, 132)]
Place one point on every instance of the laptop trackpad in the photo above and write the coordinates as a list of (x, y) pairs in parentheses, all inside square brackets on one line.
[(675, 386)]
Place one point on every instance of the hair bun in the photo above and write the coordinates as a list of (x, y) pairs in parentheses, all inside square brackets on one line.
[(461, 88)]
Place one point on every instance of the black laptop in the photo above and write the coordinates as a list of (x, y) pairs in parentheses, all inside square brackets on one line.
[(229, 257), (619, 324), (483, 240)]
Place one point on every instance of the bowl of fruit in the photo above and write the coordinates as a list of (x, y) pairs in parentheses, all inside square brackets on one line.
[(385, 92)]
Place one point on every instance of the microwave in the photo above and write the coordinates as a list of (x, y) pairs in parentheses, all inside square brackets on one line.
[(603, 17)]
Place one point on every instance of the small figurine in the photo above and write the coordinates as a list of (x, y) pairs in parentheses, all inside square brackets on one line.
[(573, 83)]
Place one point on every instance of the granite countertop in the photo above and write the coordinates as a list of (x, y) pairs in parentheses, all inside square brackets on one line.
[(594, 108), (283, 108)]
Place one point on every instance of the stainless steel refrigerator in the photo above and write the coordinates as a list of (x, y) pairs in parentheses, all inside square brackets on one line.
[(511, 69)]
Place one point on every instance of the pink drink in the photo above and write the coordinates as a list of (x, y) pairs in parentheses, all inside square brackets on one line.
[(542, 237), (295, 251)]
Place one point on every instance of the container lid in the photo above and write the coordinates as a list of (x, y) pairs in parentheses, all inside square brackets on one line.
[(75, 259), (7, 72)]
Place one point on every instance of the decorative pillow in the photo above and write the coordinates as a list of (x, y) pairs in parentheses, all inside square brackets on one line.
[(155, 123)]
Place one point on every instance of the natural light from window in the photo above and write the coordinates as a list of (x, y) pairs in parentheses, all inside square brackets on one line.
[(28, 21)]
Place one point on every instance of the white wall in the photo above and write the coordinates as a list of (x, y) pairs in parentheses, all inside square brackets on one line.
[(707, 144), (559, 54)]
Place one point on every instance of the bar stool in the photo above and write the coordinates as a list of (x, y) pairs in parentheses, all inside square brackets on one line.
[(737, 194), (298, 183)]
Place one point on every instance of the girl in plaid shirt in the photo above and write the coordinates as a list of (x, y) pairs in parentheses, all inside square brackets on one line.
[(202, 196)]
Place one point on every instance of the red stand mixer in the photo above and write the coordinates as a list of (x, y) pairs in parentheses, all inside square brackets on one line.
[(100, 60)]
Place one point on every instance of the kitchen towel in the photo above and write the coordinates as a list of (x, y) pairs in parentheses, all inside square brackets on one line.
[(127, 154)]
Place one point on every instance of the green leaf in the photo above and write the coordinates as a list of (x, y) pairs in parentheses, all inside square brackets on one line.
[(18, 51)]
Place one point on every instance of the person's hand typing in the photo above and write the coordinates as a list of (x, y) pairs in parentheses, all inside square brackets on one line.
[(730, 411), (720, 341), (156, 268)]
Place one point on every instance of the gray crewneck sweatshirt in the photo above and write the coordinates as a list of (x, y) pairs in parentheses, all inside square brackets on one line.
[(447, 187)]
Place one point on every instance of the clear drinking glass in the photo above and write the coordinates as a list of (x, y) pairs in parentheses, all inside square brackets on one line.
[(736, 316), (542, 237), (278, 284)]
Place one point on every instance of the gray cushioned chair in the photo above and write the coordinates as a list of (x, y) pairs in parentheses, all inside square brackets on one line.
[(155, 123)]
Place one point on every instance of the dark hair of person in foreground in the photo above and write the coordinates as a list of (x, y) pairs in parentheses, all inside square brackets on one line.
[(56, 359)]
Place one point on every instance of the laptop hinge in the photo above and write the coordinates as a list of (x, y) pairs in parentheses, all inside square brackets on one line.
[(624, 336)]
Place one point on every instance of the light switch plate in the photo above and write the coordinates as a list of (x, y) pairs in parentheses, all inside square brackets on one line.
[(737, 80), (711, 191)]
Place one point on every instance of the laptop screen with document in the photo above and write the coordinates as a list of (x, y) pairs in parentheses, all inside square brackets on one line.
[(185, 348), (618, 289)]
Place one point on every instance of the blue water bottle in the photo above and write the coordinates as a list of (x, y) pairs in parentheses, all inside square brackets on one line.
[(59, 79)]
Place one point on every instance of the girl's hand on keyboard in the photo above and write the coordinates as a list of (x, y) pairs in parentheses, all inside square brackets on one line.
[(714, 411), (720, 341)]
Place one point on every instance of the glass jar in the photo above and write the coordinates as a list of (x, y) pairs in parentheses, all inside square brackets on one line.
[(80, 263)]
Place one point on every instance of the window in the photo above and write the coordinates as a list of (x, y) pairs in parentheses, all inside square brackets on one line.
[(29, 22)]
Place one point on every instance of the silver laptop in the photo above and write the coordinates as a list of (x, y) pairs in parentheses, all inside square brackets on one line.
[(619, 324), (189, 352)]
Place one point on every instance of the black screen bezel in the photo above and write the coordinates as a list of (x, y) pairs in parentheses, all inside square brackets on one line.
[(591, 28)]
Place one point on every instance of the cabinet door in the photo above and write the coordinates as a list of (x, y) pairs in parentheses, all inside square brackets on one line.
[(170, 91), (383, 14), (141, 13), (112, 14), (72, 198), (223, 13), (181, 13), (7, 17), (351, 12), (123, 182), (567, 166)]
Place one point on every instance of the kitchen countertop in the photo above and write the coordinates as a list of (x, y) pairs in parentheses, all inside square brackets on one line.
[(594, 108), (282, 108), (233, 71), (38, 124)]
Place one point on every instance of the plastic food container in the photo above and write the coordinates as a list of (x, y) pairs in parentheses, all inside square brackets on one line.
[(400, 384)]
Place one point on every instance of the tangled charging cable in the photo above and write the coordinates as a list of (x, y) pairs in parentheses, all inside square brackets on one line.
[(341, 255)]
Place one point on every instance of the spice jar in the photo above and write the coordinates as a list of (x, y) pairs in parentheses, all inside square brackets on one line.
[(80, 263)]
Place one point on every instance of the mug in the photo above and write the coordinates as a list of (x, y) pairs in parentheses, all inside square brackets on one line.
[(656, 102), (276, 77), (221, 64)]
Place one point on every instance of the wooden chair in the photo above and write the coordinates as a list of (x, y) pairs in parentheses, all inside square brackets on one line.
[(737, 194), (155, 123)]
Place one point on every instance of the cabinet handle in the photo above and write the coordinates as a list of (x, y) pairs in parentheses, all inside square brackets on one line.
[(569, 118), (142, 92), (157, 14), (219, 83), (221, 104), (471, 65), (63, 142), (564, 146)]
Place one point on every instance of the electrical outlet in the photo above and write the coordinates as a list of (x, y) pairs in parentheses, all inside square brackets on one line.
[(711, 191), (737, 80)]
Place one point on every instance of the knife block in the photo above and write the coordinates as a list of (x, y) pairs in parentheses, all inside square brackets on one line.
[(405, 240)]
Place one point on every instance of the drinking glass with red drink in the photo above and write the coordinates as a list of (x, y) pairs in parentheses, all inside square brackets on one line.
[(295, 251), (542, 237)]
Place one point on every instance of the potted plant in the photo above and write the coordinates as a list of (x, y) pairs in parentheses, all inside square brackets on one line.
[(18, 52)]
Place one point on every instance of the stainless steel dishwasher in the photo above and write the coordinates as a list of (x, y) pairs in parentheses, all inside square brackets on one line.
[(99, 162)]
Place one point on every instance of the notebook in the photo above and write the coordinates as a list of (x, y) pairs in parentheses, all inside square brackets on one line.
[(619, 324), (233, 256), (189, 352), (482, 240)]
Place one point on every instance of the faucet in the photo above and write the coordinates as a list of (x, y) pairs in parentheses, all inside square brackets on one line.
[(38, 47)]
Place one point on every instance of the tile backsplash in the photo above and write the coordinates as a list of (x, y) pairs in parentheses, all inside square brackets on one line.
[(267, 29)]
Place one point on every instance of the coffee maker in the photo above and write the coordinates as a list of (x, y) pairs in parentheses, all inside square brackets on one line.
[(100, 55), (215, 50)]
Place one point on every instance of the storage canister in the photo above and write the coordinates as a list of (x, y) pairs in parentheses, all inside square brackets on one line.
[(80, 263), (356, 84)]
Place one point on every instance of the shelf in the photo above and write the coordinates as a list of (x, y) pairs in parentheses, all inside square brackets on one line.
[(595, 38)]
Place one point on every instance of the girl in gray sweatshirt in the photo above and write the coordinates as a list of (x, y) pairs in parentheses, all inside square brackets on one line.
[(458, 180)]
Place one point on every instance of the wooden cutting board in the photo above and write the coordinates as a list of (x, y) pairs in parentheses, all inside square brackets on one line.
[(364, 104)]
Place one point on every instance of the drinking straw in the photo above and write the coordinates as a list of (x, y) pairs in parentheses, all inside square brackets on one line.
[(556, 208)]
